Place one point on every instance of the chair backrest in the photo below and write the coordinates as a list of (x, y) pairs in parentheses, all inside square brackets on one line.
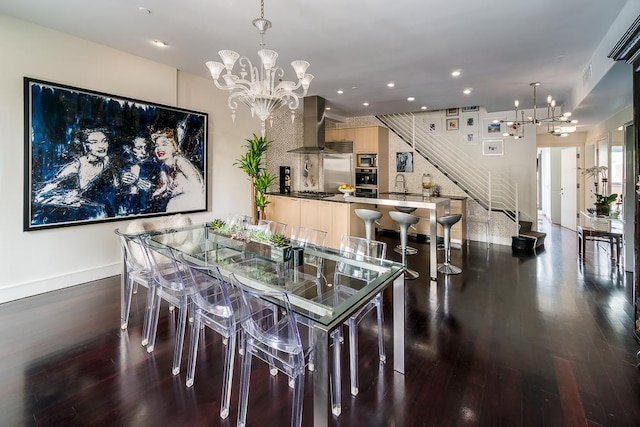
[(239, 220), (210, 291), (259, 323), (274, 227), (358, 248), (302, 236), (166, 270), (134, 256)]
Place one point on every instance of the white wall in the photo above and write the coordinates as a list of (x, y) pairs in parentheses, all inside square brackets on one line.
[(45, 260)]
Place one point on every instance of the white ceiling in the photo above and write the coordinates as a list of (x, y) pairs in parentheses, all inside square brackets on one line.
[(500, 46)]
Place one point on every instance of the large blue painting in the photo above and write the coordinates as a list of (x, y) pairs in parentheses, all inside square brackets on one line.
[(93, 157)]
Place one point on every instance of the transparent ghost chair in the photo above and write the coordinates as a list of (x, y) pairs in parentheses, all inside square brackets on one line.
[(302, 237), (172, 284), (214, 305), (137, 272), (275, 340), (358, 248), (274, 227)]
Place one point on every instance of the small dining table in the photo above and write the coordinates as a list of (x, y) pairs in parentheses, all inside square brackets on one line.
[(312, 296)]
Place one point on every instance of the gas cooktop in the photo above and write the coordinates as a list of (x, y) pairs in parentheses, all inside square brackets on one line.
[(312, 194)]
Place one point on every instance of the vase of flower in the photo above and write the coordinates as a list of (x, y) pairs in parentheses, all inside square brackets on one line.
[(603, 203)]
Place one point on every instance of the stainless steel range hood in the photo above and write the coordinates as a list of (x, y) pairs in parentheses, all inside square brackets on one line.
[(313, 125)]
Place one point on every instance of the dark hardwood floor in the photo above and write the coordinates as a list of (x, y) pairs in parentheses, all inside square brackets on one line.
[(512, 341)]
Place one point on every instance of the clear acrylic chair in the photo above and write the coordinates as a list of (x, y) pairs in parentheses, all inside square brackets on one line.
[(137, 271), (358, 248), (214, 305), (239, 219), (276, 341), (274, 227), (303, 236), (172, 284)]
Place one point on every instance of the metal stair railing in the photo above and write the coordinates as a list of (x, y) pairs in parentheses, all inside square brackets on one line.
[(491, 190)]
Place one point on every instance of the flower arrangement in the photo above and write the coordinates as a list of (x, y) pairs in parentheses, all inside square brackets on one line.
[(603, 202)]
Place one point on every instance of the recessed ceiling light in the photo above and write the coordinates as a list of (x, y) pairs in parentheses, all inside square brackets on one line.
[(340, 91), (354, 87), (456, 73), (424, 107), (391, 84), (328, 108), (411, 99), (366, 104), (159, 43), (467, 91), (144, 10)]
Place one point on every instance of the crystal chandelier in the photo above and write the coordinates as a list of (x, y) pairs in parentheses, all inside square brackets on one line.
[(558, 123), (260, 88)]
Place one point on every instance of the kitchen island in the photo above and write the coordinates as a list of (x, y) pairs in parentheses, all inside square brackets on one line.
[(335, 214), (404, 200)]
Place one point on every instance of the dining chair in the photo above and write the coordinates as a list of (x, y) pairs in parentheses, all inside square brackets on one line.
[(137, 272), (274, 227), (276, 341), (172, 284), (359, 248), (302, 237), (214, 305)]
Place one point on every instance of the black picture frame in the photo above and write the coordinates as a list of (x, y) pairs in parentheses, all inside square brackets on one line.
[(93, 157)]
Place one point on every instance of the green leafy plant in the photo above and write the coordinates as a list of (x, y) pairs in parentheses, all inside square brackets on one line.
[(251, 164), (216, 224), (262, 182), (605, 200), (279, 240)]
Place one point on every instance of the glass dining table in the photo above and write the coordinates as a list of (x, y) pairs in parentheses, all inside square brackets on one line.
[(309, 286)]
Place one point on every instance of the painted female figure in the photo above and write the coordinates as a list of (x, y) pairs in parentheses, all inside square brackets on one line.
[(185, 190)]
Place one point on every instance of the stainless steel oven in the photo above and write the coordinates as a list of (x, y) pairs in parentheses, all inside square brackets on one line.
[(367, 160), (367, 191), (366, 176)]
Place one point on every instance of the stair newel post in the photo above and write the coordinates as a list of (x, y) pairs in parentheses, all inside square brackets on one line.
[(517, 213)]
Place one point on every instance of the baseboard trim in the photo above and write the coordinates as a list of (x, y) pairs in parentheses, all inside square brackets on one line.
[(28, 289)]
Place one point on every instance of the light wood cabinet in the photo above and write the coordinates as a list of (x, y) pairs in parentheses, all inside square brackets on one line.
[(284, 209), (339, 134), (337, 219), (367, 140)]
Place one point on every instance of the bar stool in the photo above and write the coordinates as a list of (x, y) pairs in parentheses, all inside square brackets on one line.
[(405, 220), (369, 217), (409, 250), (447, 221)]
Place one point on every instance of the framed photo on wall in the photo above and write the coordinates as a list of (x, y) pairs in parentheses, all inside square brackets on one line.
[(470, 121), (470, 138), (452, 112), (404, 161), (93, 157), (453, 123), (432, 125), (492, 128), (492, 147), (473, 108)]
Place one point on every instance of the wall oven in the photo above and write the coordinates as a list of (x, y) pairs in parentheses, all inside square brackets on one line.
[(369, 191), (366, 176)]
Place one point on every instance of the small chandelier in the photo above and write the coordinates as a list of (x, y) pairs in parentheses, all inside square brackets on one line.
[(260, 88), (558, 123)]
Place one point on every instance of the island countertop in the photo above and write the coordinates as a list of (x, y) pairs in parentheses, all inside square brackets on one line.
[(402, 200)]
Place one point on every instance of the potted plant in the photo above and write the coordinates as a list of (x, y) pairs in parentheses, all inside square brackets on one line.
[(603, 203), (259, 180)]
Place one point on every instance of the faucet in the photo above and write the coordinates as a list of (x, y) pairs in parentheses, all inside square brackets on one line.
[(400, 180)]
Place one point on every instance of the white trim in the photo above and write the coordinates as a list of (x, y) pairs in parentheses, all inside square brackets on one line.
[(23, 290)]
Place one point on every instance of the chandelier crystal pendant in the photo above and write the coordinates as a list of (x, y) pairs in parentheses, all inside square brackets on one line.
[(558, 123), (262, 88)]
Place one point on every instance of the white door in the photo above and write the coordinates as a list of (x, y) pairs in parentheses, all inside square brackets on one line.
[(568, 191)]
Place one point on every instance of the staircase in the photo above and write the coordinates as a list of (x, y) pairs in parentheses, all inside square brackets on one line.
[(492, 191)]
